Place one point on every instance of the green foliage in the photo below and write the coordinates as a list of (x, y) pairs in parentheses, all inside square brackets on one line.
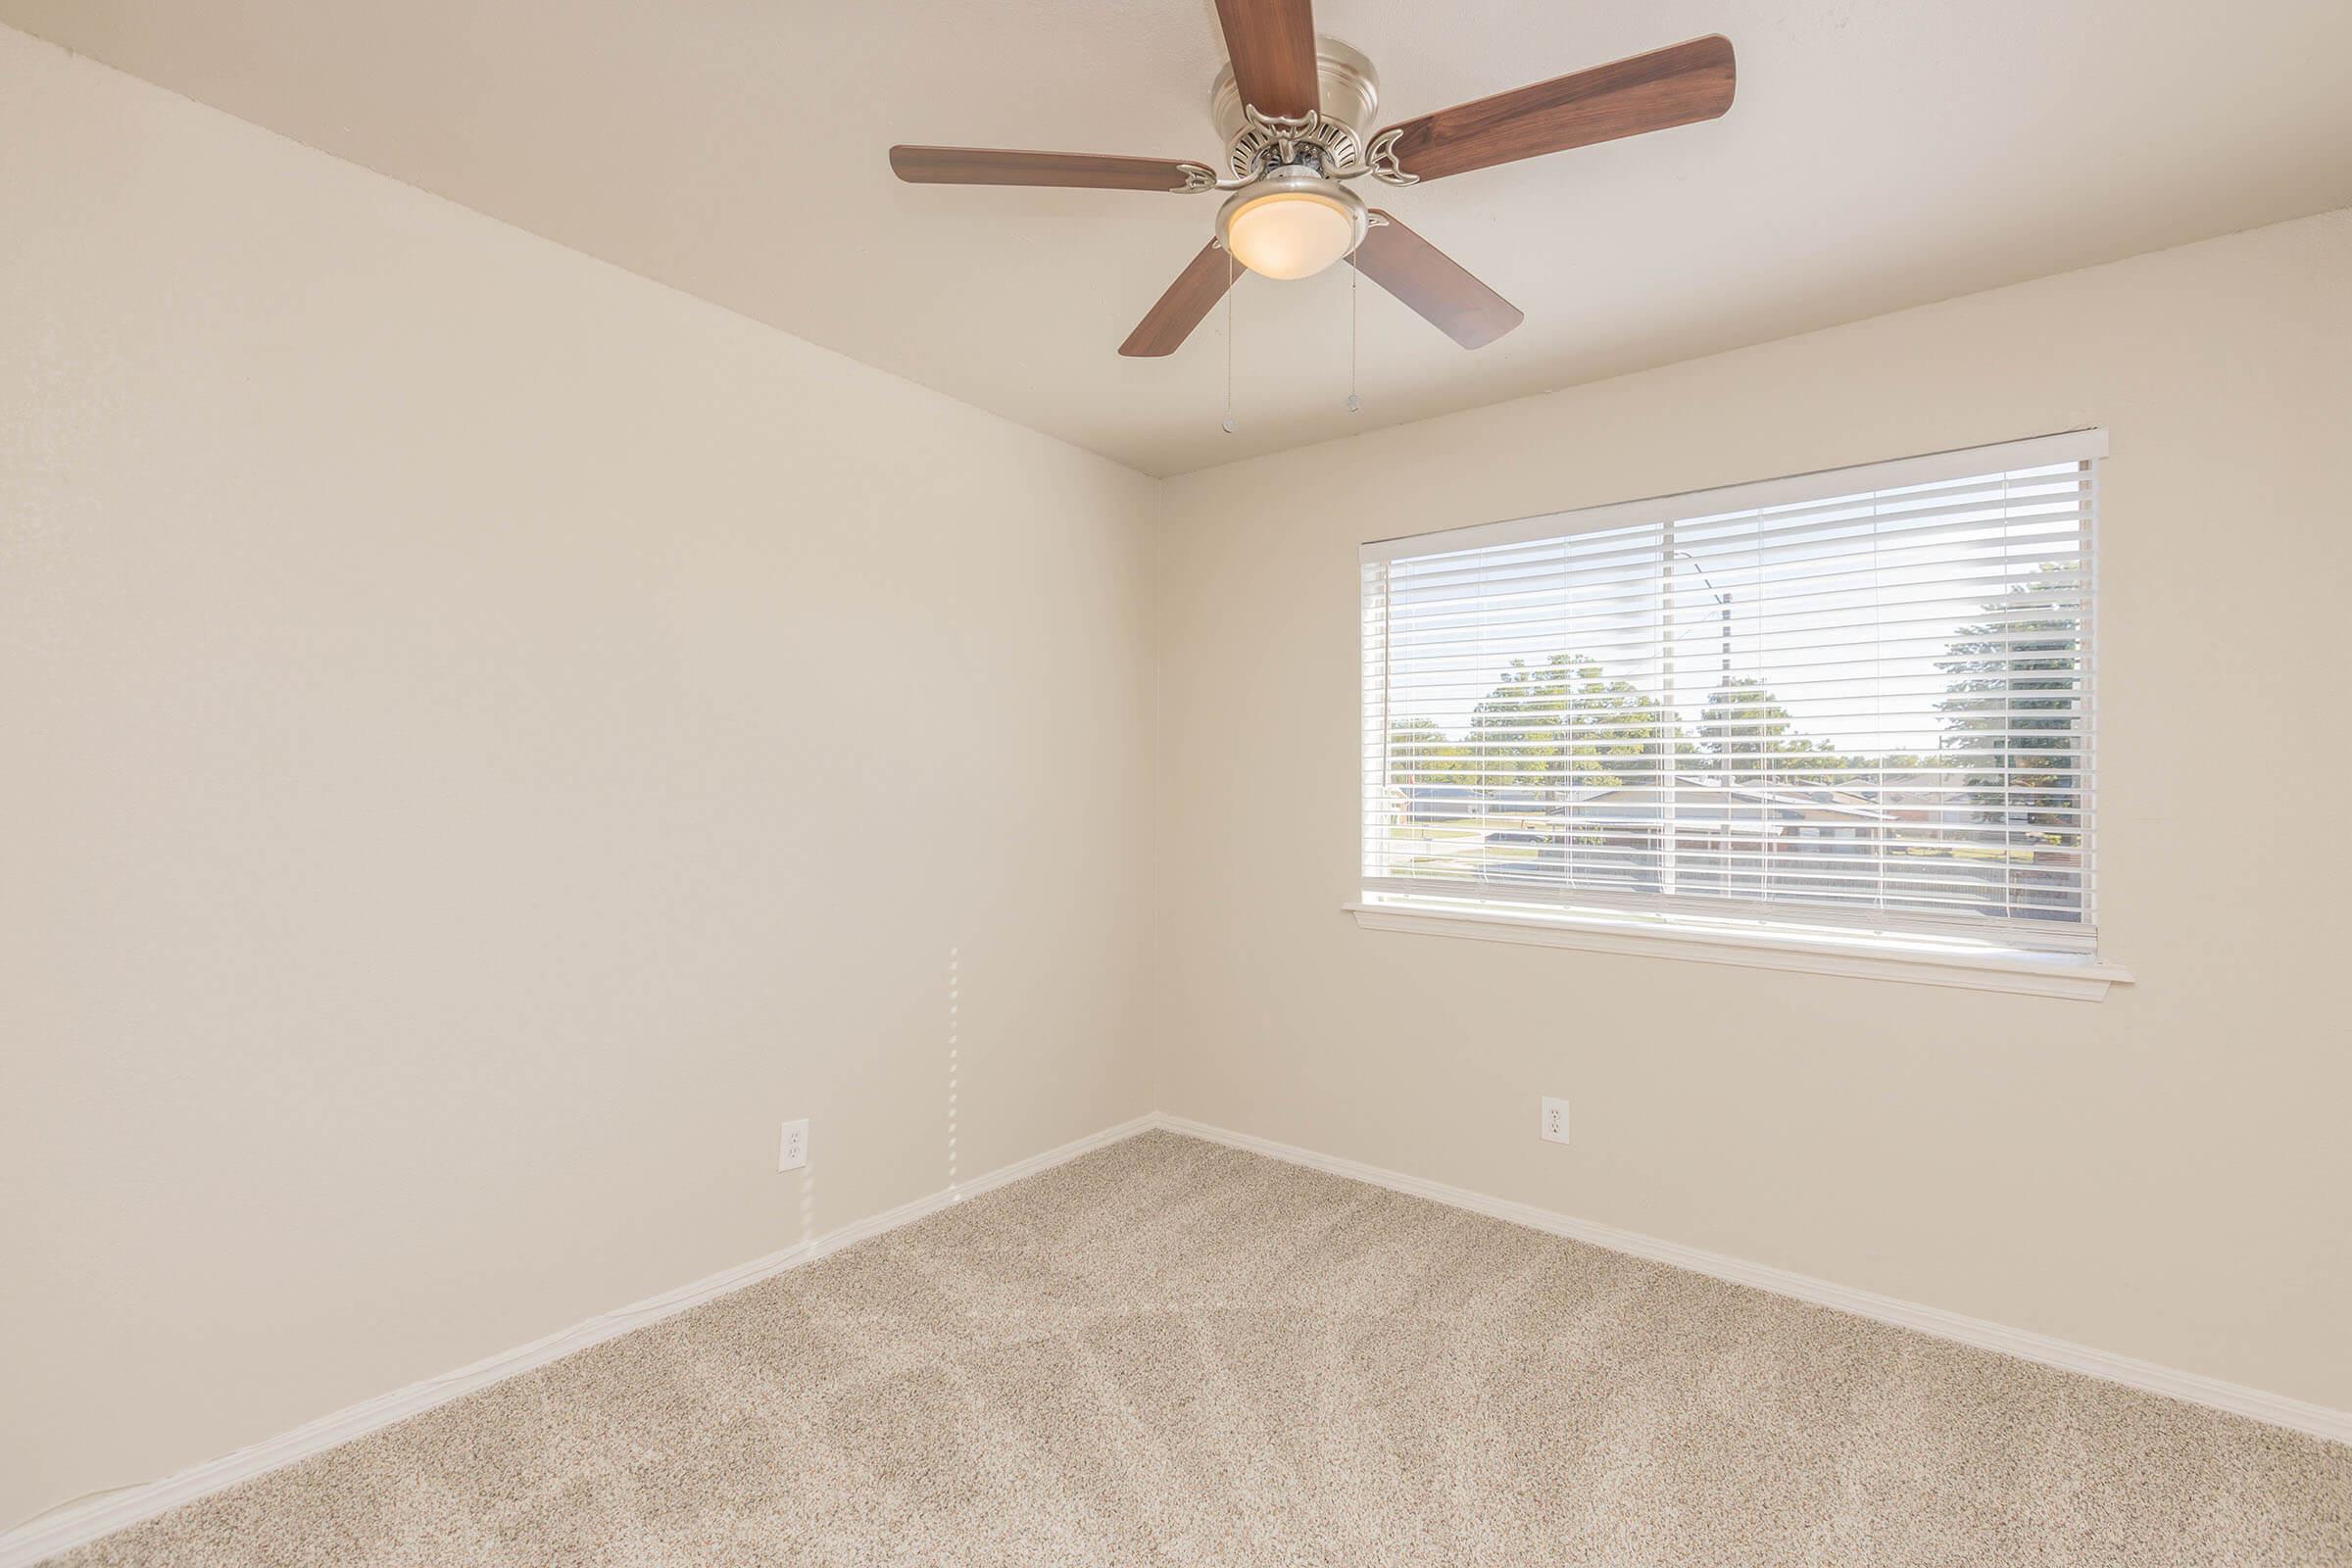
[(2013, 712), (1745, 735), (2012, 723), (1420, 755), (1566, 720), (1563, 722)]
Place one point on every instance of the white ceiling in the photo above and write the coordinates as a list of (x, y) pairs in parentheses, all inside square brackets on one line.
[(1882, 153)]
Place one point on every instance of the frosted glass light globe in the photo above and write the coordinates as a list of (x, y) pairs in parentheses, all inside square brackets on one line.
[(1291, 225)]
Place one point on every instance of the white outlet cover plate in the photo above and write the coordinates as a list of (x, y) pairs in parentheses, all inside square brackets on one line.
[(791, 1148), (1555, 1116)]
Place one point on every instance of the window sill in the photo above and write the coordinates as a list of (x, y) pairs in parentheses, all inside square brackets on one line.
[(2027, 974)]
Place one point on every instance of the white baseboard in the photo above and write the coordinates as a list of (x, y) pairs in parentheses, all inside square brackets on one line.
[(76, 1523), (2275, 1408)]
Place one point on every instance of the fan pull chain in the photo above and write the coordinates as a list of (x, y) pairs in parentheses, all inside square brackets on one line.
[(1229, 278), (1354, 404)]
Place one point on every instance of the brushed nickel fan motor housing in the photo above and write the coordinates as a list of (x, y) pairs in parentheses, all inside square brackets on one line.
[(1350, 93)]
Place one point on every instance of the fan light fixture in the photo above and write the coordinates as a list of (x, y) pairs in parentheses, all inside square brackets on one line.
[(1292, 223), (1296, 113)]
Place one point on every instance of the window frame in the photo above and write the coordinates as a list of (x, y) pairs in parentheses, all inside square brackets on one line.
[(1777, 938)]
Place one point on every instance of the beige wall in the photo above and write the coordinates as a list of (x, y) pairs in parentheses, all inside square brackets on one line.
[(486, 737), (2165, 1175)]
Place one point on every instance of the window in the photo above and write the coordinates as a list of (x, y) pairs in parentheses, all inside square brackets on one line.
[(1846, 705)]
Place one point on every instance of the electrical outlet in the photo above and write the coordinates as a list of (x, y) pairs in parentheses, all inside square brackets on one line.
[(1556, 1121), (792, 1152)]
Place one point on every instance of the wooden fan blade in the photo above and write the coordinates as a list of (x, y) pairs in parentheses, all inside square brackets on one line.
[(1674, 87), (1272, 43), (1171, 321), (1434, 284), (1002, 166)]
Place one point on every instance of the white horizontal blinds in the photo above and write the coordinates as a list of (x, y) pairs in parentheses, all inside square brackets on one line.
[(1866, 707)]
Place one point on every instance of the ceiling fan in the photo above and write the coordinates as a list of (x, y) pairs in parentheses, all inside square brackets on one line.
[(1293, 108)]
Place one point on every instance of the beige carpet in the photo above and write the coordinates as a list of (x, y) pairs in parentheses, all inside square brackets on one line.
[(1170, 1352)]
